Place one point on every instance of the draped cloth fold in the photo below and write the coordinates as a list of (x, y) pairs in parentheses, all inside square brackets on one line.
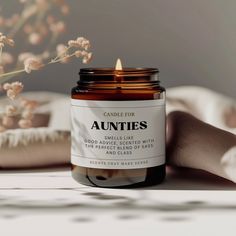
[(201, 128)]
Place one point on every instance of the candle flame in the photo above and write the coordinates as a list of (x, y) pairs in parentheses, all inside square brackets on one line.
[(118, 64)]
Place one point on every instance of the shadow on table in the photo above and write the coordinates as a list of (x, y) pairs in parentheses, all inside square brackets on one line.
[(116, 206), (191, 179)]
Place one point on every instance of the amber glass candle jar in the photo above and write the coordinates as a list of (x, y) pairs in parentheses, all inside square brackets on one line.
[(118, 128)]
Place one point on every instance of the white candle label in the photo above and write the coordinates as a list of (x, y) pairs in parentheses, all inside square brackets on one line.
[(118, 134)]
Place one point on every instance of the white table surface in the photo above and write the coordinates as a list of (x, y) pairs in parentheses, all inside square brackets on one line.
[(50, 202)]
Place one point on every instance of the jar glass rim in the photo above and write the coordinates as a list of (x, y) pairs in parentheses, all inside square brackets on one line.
[(124, 72)]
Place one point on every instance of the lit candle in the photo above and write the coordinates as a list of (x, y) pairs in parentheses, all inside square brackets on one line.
[(118, 127), (118, 77)]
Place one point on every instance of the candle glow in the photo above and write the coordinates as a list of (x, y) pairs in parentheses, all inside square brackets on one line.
[(118, 64)]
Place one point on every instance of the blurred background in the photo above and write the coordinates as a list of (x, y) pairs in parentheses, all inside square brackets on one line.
[(191, 42)]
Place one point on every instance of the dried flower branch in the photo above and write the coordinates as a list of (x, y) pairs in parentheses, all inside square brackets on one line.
[(13, 89), (76, 48), (4, 40), (32, 64), (37, 24)]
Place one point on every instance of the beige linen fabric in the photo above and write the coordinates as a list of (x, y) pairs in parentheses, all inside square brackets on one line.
[(40, 146), (208, 142)]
